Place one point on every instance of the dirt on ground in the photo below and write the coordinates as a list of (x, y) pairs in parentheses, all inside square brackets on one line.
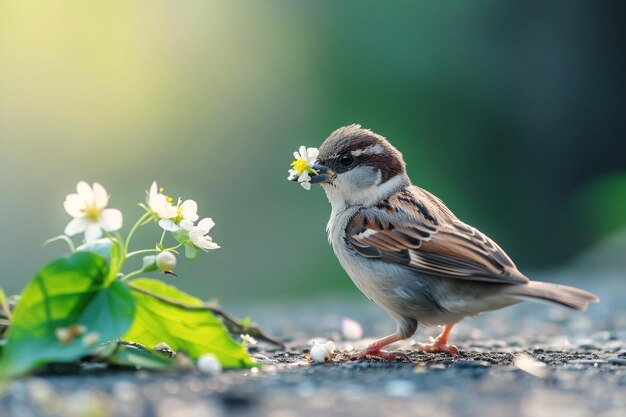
[(528, 360)]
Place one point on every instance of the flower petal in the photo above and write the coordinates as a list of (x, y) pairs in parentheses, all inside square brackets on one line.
[(312, 154), (168, 211), (111, 219), (189, 209), (85, 191), (204, 242), (205, 225), (153, 190), (168, 225), (304, 177), (100, 196), (296, 155), (92, 232), (306, 185), (74, 205), (186, 224), (302, 152), (75, 226)]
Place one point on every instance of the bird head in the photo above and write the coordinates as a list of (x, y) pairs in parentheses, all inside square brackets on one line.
[(359, 167)]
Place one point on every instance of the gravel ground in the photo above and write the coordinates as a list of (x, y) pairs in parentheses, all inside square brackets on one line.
[(495, 374)]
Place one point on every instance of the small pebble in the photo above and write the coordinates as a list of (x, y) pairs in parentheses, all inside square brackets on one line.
[(351, 329), (320, 353), (531, 365), (209, 364)]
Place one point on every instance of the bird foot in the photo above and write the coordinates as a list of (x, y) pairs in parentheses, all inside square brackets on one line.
[(438, 345), (380, 354)]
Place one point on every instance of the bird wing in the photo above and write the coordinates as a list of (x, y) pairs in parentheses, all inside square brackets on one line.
[(416, 230)]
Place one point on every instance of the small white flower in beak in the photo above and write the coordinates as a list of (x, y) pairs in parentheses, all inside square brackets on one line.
[(186, 212), (159, 204), (199, 234), (90, 215), (302, 167)]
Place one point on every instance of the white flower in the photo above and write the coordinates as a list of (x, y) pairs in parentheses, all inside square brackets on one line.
[(246, 340), (160, 204), (198, 234), (303, 166), (186, 214), (209, 364), (87, 207)]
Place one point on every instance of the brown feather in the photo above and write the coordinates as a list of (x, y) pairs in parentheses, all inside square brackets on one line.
[(428, 238)]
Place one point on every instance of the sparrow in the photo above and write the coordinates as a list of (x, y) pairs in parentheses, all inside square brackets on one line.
[(408, 253)]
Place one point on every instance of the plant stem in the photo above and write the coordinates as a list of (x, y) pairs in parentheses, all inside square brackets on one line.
[(132, 274), (7, 310), (66, 239), (140, 222), (231, 323), (138, 252)]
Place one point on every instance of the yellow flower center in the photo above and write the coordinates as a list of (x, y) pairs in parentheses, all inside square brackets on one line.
[(300, 165), (179, 215), (92, 212)]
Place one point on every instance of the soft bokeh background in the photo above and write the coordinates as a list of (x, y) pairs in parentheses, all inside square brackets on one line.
[(513, 112)]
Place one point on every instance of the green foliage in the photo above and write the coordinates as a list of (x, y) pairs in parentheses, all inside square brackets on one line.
[(139, 358), (67, 292), (166, 314)]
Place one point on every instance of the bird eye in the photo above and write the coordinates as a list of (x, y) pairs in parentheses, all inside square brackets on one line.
[(346, 160)]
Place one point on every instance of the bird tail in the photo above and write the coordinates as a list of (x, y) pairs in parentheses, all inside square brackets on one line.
[(561, 294)]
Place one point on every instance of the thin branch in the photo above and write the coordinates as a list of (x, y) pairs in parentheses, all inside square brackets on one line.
[(231, 323)]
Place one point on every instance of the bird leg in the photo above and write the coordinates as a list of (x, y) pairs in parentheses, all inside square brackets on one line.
[(374, 349), (440, 343)]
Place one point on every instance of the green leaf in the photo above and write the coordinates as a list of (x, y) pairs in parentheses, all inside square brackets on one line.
[(107, 248), (68, 291), (178, 319), (191, 251), (140, 358), (4, 306), (101, 247)]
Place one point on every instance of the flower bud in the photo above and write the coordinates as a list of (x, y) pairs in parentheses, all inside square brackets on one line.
[(166, 261), (149, 263)]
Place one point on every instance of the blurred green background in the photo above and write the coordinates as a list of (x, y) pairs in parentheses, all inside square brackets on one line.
[(513, 112)]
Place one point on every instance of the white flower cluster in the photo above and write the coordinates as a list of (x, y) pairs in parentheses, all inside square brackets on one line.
[(302, 166), (88, 208), (180, 217)]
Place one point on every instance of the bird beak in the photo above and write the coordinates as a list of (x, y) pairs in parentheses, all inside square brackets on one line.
[(324, 175)]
